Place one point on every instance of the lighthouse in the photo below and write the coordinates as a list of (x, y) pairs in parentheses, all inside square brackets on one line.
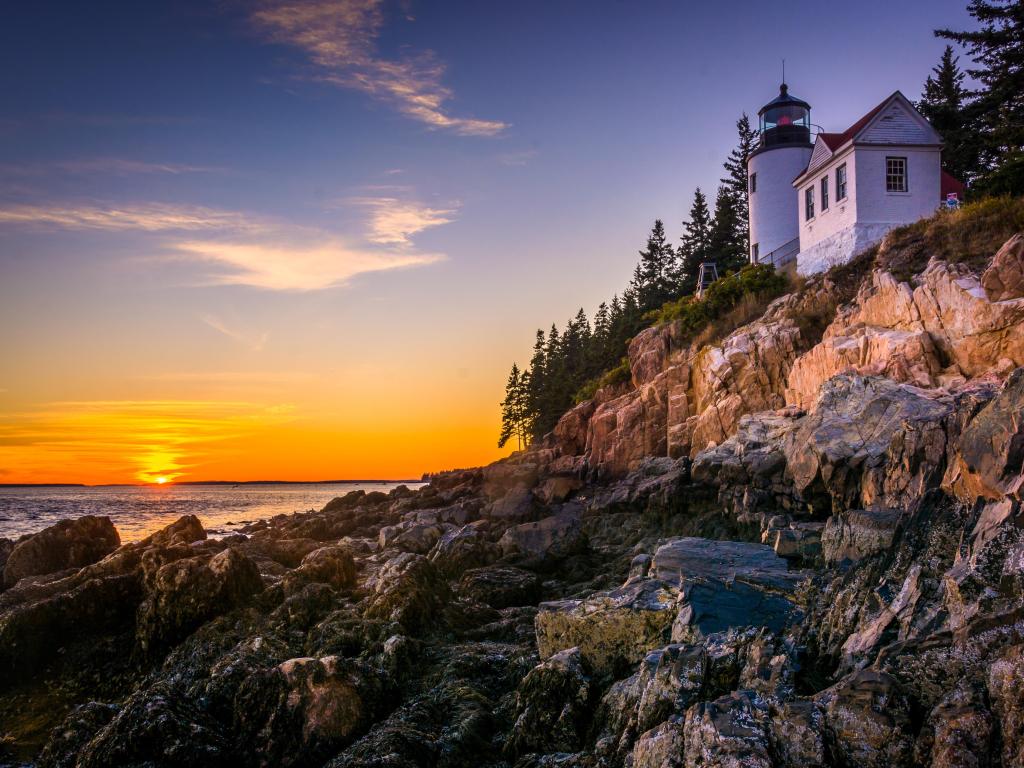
[(782, 155)]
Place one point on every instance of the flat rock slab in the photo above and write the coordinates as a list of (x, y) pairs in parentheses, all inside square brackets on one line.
[(725, 584)]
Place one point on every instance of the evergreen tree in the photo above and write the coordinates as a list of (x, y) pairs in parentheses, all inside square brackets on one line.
[(656, 269), (735, 180), (515, 410), (538, 375), (997, 49), (724, 244), (946, 103), (696, 244), (599, 341)]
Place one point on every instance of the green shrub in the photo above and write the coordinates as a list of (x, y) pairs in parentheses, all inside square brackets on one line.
[(620, 374)]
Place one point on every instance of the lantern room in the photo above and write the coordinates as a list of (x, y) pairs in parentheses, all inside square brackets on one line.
[(785, 120)]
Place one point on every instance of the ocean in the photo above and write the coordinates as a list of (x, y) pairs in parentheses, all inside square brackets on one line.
[(138, 511)]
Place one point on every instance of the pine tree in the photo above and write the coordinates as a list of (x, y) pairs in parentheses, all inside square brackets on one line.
[(997, 49), (515, 414), (735, 180), (656, 269), (695, 247), (724, 244), (599, 341), (946, 103)]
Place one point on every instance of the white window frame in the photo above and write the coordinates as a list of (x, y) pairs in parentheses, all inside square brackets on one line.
[(752, 183), (841, 185), (890, 175), (824, 193), (809, 203)]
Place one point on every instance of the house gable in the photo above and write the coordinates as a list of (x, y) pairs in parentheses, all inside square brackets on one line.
[(820, 156), (897, 122)]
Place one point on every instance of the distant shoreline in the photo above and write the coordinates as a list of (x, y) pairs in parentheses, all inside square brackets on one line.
[(208, 482)]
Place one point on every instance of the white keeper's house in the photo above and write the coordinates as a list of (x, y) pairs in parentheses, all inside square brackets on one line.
[(824, 199)]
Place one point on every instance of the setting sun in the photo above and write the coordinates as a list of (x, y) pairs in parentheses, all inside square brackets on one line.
[(161, 480)]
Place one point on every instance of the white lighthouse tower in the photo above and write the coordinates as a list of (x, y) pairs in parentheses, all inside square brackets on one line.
[(782, 155)]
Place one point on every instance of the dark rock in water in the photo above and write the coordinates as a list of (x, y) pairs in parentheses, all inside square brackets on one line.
[(350, 500), (67, 544), (726, 584), (553, 706), (186, 592), (501, 586)]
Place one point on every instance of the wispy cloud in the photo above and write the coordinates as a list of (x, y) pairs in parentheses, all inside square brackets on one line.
[(116, 166), (252, 342), (340, 38), (522, 157), (239, 249), (395, 222), (296, 267), (150, 217)]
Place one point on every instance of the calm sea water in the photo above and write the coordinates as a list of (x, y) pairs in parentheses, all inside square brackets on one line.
[(139, 511)]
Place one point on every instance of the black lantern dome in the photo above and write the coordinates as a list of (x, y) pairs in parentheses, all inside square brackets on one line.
[(785, 120)]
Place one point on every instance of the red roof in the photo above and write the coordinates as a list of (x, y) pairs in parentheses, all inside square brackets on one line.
[(950, 184)]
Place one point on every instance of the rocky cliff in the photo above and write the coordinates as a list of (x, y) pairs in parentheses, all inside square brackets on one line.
[(799, 544)]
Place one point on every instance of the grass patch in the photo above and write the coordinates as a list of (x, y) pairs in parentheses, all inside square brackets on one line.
[(618, 375), (969, 235)]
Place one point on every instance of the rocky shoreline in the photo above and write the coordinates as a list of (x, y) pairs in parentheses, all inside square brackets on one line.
[(798, 545)]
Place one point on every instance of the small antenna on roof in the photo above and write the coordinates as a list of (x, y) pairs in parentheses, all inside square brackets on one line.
[(783, 70)]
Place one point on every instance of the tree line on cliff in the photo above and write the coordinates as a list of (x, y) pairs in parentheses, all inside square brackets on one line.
[(983, 131)]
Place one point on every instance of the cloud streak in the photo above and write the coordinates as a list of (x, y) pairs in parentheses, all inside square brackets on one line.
[(340, 39), (254, 343), (151, 217)]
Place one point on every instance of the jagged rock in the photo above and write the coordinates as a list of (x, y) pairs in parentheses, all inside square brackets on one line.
[(990, 459), (67, 544), (186, 592), (1005, 680), (1004, 278), (729, 732), (797, 735), (287, 552), (725, 584), (461, 549), (350, 500), (613, 629), (669, 680), (553, 705), (839, 455), (958, 732), (868, 721), (410, 590), (552, 538), (770, 667), (501, 586), (857, 534), (419, 538), (6, 545), (661, 746), (79, 727)]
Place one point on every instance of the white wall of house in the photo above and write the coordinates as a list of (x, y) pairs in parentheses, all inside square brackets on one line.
[(773, 211), (835, 236)]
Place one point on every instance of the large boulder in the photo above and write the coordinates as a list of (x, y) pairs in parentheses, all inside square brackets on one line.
[(185, 530), (857, 534), (410, 590), (67, 544), (868, 442), (331, 565), (461, 549), (185, 593), (552, 538), (613, 630)]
